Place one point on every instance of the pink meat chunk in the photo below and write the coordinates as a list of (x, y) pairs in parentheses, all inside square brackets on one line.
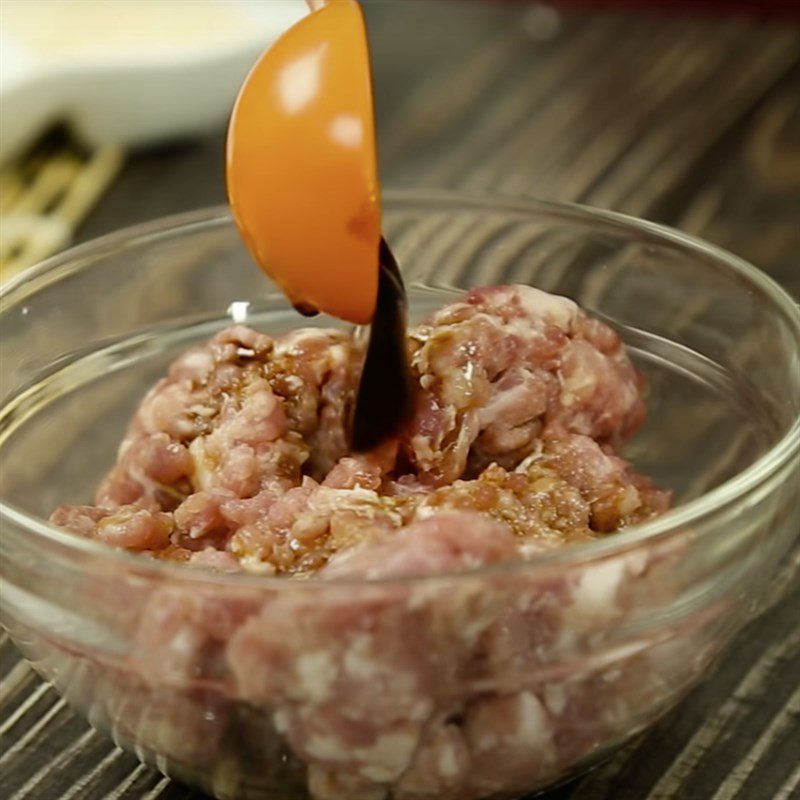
[(235, 414), (498, 367), (129, 527), (438, 690), (355, 684)]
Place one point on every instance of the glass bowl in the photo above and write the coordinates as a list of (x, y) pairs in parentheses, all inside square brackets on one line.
[(490, 683)]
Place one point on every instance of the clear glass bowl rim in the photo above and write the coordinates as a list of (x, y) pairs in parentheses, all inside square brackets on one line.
[(674, 522)]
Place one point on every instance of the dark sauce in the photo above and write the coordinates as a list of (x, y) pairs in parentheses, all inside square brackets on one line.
[(306, 309), (384, 399)]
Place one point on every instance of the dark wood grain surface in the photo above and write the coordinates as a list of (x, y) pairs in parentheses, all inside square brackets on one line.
[(691, 121)]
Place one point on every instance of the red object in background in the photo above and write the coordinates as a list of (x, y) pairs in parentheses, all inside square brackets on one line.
[(784, 8)]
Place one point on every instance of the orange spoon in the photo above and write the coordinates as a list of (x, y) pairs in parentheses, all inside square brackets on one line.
[(301, 166), (303, 186)]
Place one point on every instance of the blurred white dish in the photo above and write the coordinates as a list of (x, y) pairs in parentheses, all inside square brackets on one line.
[(128, 72)]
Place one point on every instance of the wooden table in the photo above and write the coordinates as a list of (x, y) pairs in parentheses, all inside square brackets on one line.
[(690, 121)]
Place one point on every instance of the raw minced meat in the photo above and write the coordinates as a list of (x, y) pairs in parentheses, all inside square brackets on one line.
[(242, 448), (384, 687), (504, 364)]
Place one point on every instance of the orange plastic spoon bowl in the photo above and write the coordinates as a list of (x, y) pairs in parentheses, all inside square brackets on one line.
[(301, 166)]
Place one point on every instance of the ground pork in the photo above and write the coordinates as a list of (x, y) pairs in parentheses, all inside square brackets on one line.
[(499, 366), (236, 413), (381, 686), (243, 448)]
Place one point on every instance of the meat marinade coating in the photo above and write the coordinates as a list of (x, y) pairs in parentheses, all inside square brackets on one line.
[(238, 458)]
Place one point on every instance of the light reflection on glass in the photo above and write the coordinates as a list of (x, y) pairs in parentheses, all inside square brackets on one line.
[(237, 310)]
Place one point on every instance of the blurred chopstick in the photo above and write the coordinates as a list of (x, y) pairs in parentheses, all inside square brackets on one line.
[(45, 194)]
